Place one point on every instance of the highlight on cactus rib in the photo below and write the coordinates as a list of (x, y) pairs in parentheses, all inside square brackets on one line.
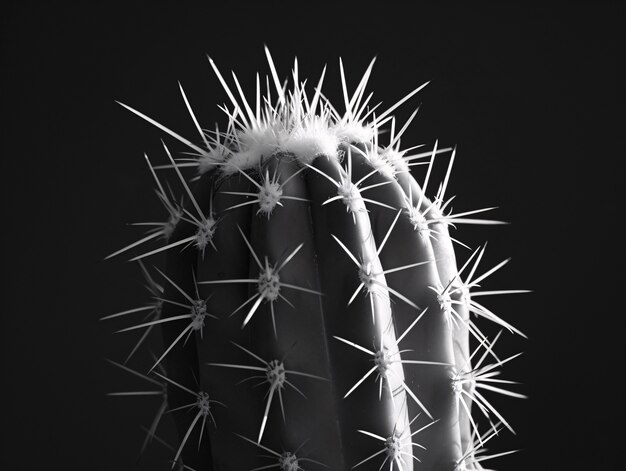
[(307, 294)]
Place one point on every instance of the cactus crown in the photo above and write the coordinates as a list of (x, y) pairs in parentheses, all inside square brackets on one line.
[(270, 146), (296, 125)]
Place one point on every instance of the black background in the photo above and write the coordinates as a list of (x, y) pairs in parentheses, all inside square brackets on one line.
[(529, 95)]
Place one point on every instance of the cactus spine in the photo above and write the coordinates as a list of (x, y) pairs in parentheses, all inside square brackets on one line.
[(311, 307)]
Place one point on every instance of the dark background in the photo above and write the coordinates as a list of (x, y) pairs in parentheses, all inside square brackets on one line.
[(529, 95)]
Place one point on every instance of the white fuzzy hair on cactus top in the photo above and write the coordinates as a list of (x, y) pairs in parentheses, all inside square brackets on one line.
[(291, 123)]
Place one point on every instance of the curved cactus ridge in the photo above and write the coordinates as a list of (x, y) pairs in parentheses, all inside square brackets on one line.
[(312, 311)]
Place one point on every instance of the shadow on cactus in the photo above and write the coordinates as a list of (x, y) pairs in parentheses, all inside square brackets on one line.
[(311, 308)]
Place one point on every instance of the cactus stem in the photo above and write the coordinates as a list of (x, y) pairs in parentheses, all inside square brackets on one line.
[(259, 134)]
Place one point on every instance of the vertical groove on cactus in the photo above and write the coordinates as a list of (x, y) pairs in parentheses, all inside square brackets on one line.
[(312, 312)]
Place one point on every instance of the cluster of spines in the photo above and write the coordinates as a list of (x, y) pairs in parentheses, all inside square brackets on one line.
[(295, 126)]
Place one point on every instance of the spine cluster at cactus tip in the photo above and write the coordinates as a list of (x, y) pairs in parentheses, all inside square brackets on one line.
[(306, 292)]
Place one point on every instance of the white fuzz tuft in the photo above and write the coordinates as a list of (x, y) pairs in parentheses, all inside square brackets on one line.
[(198, 314), (436, 215), (205, 232), (289, 462), (242, 161), (269, 284), (395, 159), (393, 447), (420, 224), (311, 140), (269, 196), (170, 225), (353, 133), (383, 360), (445, 303), (275, 373), (212, 159), (381, 163), (203, 403), (367, 277), (254, 145)]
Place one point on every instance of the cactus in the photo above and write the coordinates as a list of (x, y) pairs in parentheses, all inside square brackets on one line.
[(311, 308)]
